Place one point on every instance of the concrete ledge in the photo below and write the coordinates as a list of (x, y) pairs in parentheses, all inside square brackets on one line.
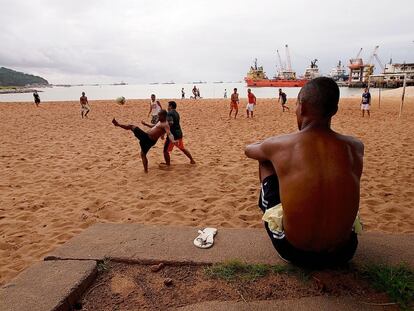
[(308, 303), (48, 285), (145, 243)]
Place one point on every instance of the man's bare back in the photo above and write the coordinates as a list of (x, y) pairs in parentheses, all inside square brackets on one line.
[(315, 174), (319, 175)]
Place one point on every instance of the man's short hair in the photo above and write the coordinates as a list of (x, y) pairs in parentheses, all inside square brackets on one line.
[(162, 112), (235, 89), (83, 93), (320, 96), (173, 104)]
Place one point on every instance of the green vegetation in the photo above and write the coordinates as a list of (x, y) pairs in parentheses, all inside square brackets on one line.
[(236, 270), (396, 281), (103, 265), (13, 78)]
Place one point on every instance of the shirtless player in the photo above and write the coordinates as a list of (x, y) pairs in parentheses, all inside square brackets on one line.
[(85, 108), (234, 104), (149, 139), (315, 174)]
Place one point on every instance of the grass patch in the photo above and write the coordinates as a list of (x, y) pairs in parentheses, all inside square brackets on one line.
[(103, 265), (237, 270), (396, 281)]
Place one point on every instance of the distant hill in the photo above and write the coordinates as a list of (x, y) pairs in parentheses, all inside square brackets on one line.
[(10, 77)]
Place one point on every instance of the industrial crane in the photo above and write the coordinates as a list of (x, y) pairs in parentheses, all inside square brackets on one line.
[(289, 64), (372, 56), (375, 55), (359, 54), (280, 60)]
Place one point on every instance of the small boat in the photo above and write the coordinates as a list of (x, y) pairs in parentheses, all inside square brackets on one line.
[(120, 83)]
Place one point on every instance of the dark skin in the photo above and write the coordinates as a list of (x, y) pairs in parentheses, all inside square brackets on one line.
[(167, 157), (319, 174), (154, 133)]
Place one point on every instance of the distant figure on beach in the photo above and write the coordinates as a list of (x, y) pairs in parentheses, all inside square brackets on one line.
[(198, 93), (182, 93), (366, 102), (155, 108), (173, 119), (317, 183), (225, 93), (283, 100), (234, 103), (36, 98), (150, 138), (251, 102), (194, 92), (85, 108)]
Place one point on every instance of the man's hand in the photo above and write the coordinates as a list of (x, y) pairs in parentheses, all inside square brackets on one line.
[(115, 122)]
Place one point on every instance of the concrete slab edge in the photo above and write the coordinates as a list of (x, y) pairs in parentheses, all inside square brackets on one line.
[(76, 293)]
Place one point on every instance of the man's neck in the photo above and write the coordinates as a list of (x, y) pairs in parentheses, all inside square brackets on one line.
[(316, 124)]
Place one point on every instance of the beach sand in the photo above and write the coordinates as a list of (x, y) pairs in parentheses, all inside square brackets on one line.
[(61, 174)]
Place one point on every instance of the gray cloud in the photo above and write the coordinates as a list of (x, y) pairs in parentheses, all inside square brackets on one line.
[(146, 41)]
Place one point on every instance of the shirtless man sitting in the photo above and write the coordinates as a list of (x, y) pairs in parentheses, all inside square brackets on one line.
[(149, 139), (315, 174)]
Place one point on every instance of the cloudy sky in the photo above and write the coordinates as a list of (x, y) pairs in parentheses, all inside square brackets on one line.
[(147, 41)]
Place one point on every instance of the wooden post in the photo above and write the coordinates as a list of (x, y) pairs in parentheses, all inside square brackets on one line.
[(403, 95), (379, 97)]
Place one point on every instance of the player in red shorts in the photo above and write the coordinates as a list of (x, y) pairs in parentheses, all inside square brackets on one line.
[(175, 128)]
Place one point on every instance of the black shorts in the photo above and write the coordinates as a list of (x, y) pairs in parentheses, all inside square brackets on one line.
[(37, 101), (144, 140), (269, 197)]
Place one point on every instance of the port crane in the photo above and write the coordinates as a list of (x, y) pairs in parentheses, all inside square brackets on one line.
[(289, 64), (280, 60), (375, 55)]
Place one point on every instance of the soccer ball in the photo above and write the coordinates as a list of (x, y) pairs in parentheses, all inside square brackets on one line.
[(120, 100)]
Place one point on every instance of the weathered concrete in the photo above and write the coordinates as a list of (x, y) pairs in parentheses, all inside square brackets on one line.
[(308, 304), (144, 243), (57, 283), (47, 286)]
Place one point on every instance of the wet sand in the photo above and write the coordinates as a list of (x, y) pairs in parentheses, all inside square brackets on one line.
[(61, 174)]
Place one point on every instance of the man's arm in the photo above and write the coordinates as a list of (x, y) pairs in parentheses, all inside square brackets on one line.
[(147, 125), (259, 151), (168, 132), (254, 99), (159, 104)]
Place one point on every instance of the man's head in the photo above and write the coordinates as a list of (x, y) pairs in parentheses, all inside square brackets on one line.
[(172, 105), (280, 91), (235, 90), (317, 100), (83, 93), (366, 90), (153, 97), (162, 115), (249, 91)]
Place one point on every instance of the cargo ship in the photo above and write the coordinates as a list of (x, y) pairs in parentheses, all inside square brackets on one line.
[(286, 77)]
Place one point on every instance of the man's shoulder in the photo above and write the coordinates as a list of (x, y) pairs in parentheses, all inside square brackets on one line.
[(352, 141)]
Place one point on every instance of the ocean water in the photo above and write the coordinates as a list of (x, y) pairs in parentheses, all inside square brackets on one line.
[(163, 91)]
